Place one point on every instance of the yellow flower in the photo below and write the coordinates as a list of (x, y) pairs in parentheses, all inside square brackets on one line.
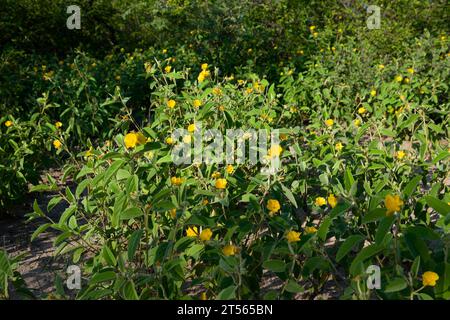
[(216, 175), (169, 140), (8, 123), (206, 234), (329, 122), (275, 151), (338, 146), (217, 91), (310, 230), (320, 201), (132, 139), (221, 108), (167, 69), (357, 122), (48, 75), (221, 183), (381, 66), (406, 80), (399, 78), (401, 154), (117, 78), (293, 236), (89, 152), (230, 169), (410, 70), (57, 144), (187, 139), (229, 250), (58, 124), (362, 110), (173, 213), (204, 66), (197, 103), (315, 34), (149, 155), (141, 139), (205, 202), (332, 201), (373, 93), (203, 75), (273, 206), (429, 278), (191, 127), (171, 104), (393, 204), (192, 232), (148, 67), (311, 28), (176, 181), (283, 137)]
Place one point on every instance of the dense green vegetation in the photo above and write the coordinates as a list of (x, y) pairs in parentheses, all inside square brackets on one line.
[(363, 116)]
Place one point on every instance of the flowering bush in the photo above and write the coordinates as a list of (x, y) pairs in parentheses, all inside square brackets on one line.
[(348, 195), (358, 178)]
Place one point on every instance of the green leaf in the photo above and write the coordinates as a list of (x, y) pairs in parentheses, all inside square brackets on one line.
[(395, 285), (131, 213), (66, 214), (108, 255), (129, 291), (39, 230), (69, 195), (415, 267), (53, 202), (195, 250), (383, 228), (289, 195), (363, 255), (318, 262), (293, 287), (348, 245), (441, 156), (102, 276), (113, 169), (348, 179), (81, 186), (417, 246), (411, 186), (374, 215), (37, 209), (274, 265), (133, 243), (227, 293), (438, 205), (340, 208), (323, 229)]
